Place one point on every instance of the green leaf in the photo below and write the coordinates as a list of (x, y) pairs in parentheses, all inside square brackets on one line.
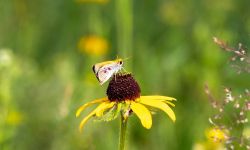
[(111, 114)]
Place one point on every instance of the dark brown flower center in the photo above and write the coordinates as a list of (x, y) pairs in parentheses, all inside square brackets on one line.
[(123, 87)]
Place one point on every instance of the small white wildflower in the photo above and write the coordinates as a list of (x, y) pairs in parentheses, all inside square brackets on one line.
[(237, 105)]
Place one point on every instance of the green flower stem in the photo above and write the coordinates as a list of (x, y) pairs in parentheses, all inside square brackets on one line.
[(123, 128)]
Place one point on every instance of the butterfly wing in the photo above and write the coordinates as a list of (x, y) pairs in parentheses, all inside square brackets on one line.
[(96, 67), (106, 72)]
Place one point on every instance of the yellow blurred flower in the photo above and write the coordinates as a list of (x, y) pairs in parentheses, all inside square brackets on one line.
[(208, 146), (216, 138), (246, 132), (216, 135), (93, 45), (123, 95), (14, 118), (93, 1)]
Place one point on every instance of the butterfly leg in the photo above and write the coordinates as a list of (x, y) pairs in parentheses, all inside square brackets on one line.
[(124, 69), (115, 76)]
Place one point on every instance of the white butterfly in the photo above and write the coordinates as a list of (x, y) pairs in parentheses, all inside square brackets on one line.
[(107, 69)]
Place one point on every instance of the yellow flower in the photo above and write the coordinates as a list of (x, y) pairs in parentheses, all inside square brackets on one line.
[(93, 45), (216, 135), (123, 94), (208, 146), (14, 118)]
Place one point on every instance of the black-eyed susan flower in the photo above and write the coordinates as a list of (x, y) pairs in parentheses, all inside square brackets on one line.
[(93, 45), (124, 95)]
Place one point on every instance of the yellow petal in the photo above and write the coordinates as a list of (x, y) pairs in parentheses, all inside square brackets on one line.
[(104, 107), (158, 97), (84, 120), (161, 105), (143, 114), (79, 110), (171, 104)]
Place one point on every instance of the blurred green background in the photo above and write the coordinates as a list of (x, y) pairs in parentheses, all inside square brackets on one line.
[(48, 47)]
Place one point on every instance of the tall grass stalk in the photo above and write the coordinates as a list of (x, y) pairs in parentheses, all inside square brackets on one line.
[(124, 25)]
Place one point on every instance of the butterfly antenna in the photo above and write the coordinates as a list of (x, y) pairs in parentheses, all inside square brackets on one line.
[(126, 58), (124, 69), (117, 57)]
